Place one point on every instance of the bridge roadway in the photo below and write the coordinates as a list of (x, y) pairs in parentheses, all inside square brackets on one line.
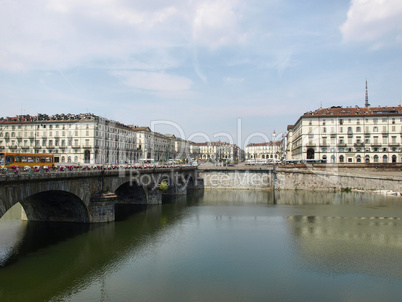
[(89, 196)]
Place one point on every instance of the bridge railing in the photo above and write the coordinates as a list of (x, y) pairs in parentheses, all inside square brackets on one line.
[(75, 170)]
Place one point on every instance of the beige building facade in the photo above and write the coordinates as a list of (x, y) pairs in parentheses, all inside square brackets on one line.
[(71, 138), (347, 135)]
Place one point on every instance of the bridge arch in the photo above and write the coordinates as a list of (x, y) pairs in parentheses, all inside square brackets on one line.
[(132, 193), (55, 205)]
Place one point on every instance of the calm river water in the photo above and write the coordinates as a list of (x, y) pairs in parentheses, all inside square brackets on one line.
[(213, 246)]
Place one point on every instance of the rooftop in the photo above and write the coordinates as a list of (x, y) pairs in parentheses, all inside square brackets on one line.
[(264, 144), (355, 111)]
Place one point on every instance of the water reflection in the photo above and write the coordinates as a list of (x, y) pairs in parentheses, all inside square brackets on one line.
[(216, 245), (237, 197), (12, 231), (65, 257), (349, 244), (300, 197)]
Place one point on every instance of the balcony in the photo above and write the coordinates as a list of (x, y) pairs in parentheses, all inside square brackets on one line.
[(376, 145), (341, 145), (393, 144), (2, 147), (359, 144), (310, 144), (13, 147), (76, 147), (86, 147), (25, 147), (50, 147), (37, 147)]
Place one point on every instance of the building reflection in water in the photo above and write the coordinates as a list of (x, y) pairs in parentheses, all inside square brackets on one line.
[(237, 197), (336, 244)]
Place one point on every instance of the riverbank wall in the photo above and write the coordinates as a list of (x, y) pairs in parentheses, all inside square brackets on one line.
[(299, 179)]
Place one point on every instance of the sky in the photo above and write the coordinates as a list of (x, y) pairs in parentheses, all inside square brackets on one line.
[(230, 70)]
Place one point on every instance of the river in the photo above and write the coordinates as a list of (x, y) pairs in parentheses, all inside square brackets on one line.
[(213, 246)]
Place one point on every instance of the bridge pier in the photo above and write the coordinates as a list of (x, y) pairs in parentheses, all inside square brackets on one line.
[(101, 208), (154, 196)]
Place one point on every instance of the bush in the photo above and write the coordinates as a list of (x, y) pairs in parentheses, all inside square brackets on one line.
[(163, 186)]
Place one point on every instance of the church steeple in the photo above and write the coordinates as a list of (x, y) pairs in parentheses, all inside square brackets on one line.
[(366, 104)]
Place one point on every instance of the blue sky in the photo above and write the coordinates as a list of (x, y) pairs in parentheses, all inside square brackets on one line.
[(202, 65)]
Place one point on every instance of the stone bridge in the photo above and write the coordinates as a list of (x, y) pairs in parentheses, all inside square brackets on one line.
[(89, 196)]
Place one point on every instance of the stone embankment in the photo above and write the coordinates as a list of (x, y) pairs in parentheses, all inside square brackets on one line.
[(327, 178)]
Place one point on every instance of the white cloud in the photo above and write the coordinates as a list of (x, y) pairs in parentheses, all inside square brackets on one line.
[(51, 34), (217, 23), (371, 20), (154, 81)]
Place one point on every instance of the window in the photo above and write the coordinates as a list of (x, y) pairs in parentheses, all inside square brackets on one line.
[(375, 129), (358, 129), (375, 120)]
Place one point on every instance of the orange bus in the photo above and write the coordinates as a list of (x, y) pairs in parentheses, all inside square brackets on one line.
[(9, 159)]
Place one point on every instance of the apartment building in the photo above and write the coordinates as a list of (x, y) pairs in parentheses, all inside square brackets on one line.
[(71, 138), (348, 135), (220, 151)]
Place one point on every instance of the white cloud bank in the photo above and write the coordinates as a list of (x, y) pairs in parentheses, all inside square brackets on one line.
[(373, 21), (51, 34)]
